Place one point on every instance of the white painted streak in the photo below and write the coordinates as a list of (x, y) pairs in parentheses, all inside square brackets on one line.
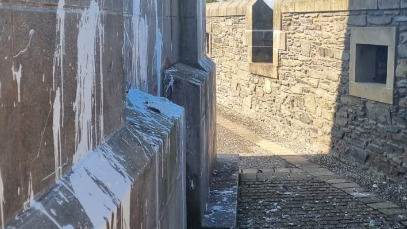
[(101, 33), (125, 211), (17, 77), (59, 53), (30, 198), (158, 48), (86, 80), (99, 183), (1, 200), (139, 49), (56, 128), (28, 45)]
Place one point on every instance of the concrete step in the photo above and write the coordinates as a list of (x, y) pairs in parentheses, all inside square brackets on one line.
[(221, 210)]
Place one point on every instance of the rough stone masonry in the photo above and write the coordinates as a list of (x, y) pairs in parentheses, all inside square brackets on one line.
[(306, 92)]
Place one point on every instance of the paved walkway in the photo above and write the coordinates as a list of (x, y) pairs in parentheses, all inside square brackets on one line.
[(281, 189)]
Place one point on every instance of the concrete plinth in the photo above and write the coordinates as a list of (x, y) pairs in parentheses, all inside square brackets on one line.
[(194, 89), (136, 179)]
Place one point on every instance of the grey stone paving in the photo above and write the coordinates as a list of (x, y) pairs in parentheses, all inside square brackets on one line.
[(303, 202), (288, 191)]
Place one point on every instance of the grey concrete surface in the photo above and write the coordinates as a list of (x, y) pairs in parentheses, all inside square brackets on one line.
[(221, 210), (193, 89), (134, 180)]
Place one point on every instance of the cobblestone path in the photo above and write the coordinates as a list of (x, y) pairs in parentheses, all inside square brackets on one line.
[(281, 201), (280, 189)]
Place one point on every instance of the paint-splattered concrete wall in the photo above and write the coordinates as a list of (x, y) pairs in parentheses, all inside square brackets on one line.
[(65, 69), (62, 91), (151, 41)]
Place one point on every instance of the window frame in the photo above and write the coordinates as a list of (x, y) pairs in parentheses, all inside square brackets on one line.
[(384, 36)]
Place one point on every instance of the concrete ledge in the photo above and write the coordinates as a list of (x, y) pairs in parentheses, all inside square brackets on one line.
[(135, 178), (221, 211), (371, 91), (223, 9), (263, 69), (296, 6)]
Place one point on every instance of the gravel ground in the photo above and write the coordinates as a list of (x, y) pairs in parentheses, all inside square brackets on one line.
[(251, 156), (381, 185), (260, 130), (392, 191)]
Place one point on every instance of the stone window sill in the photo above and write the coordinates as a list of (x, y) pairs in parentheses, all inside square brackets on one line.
[(263, 69), (373, 91)]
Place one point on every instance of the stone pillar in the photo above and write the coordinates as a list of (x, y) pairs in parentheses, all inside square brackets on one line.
[(192, 85)]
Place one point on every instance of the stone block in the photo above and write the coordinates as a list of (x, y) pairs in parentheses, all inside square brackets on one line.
[(402, 50), (305, 6), (359, 154), (339, 5), (403, 102), (403, 4), (350, 100), (288, 6), (391, 129), (267, 86), (310, 103), (323, 5), (362, 4), (337, 133), (262, 69), (247, 102), (401, 70), (388, 4), (358, 20), (341, 121), (378, 112), (379, 20), (304, 118)]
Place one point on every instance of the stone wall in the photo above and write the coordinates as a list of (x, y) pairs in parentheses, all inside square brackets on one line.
[(308, 99)]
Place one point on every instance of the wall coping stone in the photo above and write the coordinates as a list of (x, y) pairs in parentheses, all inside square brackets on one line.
[(223, 9), (303, 6)]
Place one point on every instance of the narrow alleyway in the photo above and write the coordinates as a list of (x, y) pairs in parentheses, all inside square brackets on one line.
[(281, 189)]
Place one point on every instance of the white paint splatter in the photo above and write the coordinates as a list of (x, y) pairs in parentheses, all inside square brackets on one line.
[(30, 198), (28, 45), (1, 200), (17, 77), (85, 101), (158, 48), (56, 128), (58, 61), (139, 71), (39, 207), (100, 130), (99, 183), (0, 89)]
